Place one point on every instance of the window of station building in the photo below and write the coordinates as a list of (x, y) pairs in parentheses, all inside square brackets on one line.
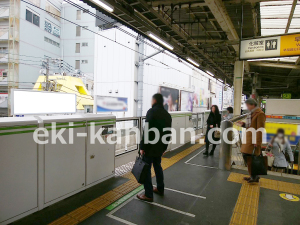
[(32, 18), (84, 61), (78, 15), (85, 44), (77, 49), (77, 64), (78, 31)]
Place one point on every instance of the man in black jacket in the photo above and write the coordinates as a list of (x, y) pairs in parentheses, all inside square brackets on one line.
[(154, 144)]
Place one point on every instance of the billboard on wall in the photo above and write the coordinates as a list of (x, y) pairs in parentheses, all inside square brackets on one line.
[(171, 98), (186, 101), (203, 97), (272, 46), (111, 104)]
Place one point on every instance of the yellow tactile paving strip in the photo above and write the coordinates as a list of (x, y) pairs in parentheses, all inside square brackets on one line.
[(108, 198), (246, 209)]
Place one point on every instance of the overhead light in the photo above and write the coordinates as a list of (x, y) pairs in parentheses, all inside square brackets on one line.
[(210, 73), (160, 41), (103, 5), (193, 62)]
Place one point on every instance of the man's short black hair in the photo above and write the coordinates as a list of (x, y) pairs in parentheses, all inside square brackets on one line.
[(159, 98), (230, 109)]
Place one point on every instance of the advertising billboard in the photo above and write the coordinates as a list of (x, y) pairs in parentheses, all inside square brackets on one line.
[(186, 101), (272, 46), (42, 102), (171, 98), (111, 104)]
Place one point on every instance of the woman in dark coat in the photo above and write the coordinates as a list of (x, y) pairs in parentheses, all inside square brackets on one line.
[(213, 120)]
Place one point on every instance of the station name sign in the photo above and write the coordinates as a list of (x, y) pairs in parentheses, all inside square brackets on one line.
[(269, 47)]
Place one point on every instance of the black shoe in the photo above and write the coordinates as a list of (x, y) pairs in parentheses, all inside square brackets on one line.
[(205, 153), (255, 180), (212, 152)]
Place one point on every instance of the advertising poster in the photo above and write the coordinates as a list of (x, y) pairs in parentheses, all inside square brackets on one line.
[(292, 131), (228, 98), (186, 102), (3, 98), (112, 104), (171, 98), (203, 97)]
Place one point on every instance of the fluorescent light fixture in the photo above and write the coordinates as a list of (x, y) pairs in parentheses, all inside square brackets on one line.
[(160, 41), (210, 73), (103, 5), (193, 62)]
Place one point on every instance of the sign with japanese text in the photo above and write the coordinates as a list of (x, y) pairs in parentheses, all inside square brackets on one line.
[(268, 47)]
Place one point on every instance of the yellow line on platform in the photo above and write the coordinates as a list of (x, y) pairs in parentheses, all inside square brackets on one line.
[(246, 209), (108, 198)]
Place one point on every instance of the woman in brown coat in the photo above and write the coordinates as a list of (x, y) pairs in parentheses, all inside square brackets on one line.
[(255, 120)]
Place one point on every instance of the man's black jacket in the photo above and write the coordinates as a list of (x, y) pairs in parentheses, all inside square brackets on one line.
[(157, 117)]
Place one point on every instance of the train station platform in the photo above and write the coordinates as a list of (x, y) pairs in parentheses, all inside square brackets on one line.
[(196, 192)]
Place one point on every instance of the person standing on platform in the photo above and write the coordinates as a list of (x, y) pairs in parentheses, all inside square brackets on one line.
[(157, 117), (213, 121), (255, 119)]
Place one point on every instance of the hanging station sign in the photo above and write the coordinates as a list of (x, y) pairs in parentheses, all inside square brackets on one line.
[(269, 47)]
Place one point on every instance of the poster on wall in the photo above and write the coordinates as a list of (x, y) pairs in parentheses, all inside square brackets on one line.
[(3, 98), (228, 98), (171, 98), (186, 101), (112, 104), (203, 97)]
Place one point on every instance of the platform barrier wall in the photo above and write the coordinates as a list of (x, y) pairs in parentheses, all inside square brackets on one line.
[(34, 176)]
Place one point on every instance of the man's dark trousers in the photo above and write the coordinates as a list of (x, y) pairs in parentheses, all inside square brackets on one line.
[(156, 161)]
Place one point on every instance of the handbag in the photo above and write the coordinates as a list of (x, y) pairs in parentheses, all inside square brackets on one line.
[(139, 169), (217, 133), (258, 164)]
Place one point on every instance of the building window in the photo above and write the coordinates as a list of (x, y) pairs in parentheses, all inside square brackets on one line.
[(78, 15), (51, 42), (85, 44), (4, 74), (77, 50), (77, 64), (84, 61), (28, 15), (78, 31), (36, 20), (32, 18)]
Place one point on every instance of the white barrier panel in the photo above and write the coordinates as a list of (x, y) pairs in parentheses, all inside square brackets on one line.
[(34, 176), (39, 102)]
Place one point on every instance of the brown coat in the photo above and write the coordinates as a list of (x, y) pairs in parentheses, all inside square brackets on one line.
[(258, 119)]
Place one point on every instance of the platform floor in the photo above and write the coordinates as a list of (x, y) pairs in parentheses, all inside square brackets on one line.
[(197, 192)]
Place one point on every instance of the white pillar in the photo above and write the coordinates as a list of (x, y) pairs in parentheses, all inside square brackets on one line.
[(238, 86)]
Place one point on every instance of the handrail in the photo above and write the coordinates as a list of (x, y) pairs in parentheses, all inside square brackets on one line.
[(235, 119)]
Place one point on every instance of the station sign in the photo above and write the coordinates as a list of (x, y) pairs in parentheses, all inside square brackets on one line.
[(270, 47)]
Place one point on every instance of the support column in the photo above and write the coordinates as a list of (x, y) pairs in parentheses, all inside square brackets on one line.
[(238, 86), (140, 76)]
